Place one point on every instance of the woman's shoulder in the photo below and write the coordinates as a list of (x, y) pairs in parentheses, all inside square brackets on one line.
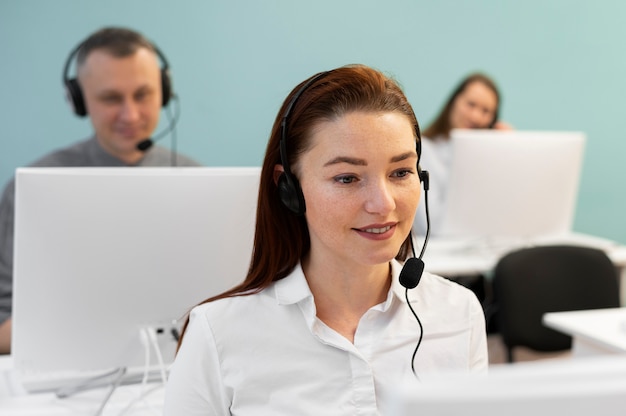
[(230, 305)]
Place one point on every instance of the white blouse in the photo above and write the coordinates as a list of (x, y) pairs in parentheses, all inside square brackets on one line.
[(268, 353)]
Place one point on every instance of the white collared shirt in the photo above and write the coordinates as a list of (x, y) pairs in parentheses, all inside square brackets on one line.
[(268, 353)]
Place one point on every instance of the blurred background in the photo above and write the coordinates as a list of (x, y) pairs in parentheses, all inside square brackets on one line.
[(560, 65)]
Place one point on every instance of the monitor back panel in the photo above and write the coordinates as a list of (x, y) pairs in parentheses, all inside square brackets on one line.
[(517, 184), (102, 253)]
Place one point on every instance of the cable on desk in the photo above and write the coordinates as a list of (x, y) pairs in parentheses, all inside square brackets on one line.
[(143, 396), (152, 336), (87, 384), (115, 383), (148, 336)]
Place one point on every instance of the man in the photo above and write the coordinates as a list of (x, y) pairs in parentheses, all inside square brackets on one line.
[(121, 87)]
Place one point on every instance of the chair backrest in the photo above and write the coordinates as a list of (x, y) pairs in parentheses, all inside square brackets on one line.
[(532, 281)]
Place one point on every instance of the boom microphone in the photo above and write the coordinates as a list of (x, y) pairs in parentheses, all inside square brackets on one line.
[(145, 144), (411, 272)]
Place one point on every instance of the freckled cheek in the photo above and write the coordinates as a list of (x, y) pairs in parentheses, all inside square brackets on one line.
[(410, 200), (329, 201), (330, 206)]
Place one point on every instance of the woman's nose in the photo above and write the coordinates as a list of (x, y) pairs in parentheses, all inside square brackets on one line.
[(379, 198)]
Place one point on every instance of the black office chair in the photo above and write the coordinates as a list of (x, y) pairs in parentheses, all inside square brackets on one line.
[(532, 281)]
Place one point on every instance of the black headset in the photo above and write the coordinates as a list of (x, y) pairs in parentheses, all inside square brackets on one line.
[(75, 94), (289, 189)]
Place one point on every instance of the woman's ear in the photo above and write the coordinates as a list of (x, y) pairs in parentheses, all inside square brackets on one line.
[(278, 170)]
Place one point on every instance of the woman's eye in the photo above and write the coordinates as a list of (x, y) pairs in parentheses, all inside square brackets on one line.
[(345, 179), (403, 173)]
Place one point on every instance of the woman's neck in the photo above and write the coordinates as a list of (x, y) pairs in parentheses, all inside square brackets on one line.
[(342, 296)]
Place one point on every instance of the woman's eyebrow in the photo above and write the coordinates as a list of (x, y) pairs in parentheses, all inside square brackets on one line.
[(346, 159), (362, 162), (403, 156)]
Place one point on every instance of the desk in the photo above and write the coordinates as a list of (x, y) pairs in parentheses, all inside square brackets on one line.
[(130, 400), (598, 331), (463, 256)]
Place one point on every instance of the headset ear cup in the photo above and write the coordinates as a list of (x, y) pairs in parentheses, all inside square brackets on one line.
[(75, 97), (166, 86), (290, 194)]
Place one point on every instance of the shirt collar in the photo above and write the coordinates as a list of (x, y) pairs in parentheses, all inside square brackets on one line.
[(294, 288)]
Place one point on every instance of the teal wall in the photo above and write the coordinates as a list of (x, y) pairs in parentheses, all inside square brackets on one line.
[(560, 64)]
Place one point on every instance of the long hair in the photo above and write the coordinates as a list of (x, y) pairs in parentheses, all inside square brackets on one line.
[(440, 127), (282, 238)]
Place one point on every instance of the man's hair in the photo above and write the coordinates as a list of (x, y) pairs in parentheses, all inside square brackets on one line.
[(117, 41)]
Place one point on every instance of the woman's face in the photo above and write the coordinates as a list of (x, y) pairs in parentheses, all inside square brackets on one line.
[(474, 108), (361, 187)]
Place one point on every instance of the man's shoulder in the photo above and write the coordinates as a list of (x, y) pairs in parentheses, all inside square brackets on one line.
[(183, 160), (73, 155)]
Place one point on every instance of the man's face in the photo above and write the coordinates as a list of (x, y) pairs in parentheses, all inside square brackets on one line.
[(123, 99)]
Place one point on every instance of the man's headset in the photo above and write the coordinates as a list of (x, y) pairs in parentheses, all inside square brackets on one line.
[(289, 189), (75, 94)]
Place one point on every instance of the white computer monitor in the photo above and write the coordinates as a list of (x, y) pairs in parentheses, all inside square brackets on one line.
[(101, 253), (512, 184), (574, 387)]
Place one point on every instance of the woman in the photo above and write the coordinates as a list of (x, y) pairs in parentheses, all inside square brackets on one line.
[(474, 104), (321, 324)]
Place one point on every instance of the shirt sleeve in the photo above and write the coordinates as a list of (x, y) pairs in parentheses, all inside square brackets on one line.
[(195, 385), (479, 356)]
